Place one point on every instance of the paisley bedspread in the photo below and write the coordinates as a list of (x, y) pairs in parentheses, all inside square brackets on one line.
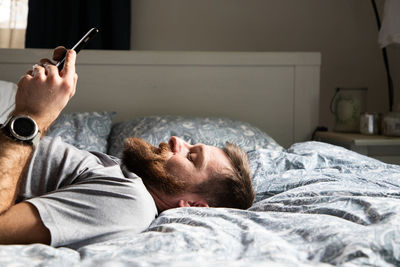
[(317, 205)]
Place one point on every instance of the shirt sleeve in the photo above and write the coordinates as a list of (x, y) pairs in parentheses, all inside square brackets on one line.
[(89, 200)]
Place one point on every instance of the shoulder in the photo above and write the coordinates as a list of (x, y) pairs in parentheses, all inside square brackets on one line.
[(94, 208)]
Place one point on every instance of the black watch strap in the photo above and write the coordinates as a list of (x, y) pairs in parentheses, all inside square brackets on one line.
[(22, 128)]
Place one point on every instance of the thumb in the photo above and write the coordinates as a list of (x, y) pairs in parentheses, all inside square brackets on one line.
[(69, 65)]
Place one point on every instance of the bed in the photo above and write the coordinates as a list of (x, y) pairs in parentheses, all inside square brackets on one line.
[(316, 204)]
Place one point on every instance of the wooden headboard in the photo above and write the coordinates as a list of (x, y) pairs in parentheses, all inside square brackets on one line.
[(275, 91)]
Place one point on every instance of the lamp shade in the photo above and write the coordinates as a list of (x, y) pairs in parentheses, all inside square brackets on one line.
[(390, 30)]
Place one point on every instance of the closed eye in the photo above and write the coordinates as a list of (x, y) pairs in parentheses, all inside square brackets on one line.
[(197, 155), (189, 156)]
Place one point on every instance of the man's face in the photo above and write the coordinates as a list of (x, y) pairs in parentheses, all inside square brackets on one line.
[(175, 167)]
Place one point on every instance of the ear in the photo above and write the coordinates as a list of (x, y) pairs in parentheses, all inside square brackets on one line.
[(198, 203)]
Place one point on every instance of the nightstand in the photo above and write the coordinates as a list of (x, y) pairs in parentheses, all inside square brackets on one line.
[(384, 148)]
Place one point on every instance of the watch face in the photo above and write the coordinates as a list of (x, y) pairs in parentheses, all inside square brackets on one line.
[(24, 128)]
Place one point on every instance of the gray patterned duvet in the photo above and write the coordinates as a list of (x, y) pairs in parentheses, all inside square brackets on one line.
[(316, 205)]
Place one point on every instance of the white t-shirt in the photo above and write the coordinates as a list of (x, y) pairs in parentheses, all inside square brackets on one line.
[(84, 197)]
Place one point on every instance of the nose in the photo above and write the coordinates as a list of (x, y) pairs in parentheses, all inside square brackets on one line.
[(178, 145)]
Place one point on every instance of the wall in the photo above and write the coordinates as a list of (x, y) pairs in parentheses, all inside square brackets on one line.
[(344, 31)]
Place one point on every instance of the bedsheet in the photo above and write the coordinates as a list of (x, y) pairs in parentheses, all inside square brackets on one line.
[(316, 205)]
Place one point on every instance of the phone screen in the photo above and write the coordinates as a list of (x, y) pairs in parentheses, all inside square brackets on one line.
[(79, 45)]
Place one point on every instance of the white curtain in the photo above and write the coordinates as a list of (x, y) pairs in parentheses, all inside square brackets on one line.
[(13, 18)]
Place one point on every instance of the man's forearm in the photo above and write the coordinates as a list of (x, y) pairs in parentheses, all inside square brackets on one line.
[(42, 94), (14, 157)]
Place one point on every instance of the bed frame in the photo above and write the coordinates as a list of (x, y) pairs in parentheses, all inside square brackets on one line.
[(275, 91)]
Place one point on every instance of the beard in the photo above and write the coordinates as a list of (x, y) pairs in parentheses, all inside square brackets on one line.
[(149, 163)]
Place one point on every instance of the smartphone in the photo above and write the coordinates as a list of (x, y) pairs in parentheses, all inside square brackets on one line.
[(79, 45)]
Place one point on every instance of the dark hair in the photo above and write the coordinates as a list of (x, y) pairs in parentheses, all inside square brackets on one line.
[(230, 188)]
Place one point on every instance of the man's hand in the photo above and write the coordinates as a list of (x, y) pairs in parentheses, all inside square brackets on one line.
[(43, 92)]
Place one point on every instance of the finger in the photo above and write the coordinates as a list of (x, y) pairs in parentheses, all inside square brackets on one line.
[(38, 71), (44, 61), (69, 66), (24, 78), (51, 69), (75, 82), (59, 53)]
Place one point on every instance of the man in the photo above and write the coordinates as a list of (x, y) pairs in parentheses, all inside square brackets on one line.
[(56, 194)]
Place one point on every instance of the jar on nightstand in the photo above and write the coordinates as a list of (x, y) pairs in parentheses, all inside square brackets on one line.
[(391, 124), (370, 123)]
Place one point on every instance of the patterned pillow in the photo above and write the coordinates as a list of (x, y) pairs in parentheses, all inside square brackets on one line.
[(210, 131), (87, 130), (7, 99)]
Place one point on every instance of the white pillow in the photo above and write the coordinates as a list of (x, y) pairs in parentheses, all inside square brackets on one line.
[(7, 99)]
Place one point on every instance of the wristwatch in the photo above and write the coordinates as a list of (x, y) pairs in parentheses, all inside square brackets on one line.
[(22, 128)]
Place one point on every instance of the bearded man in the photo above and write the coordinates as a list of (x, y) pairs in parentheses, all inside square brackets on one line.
[(54, 193)]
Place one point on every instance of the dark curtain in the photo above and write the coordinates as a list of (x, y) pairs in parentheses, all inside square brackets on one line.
[(63, 22)]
